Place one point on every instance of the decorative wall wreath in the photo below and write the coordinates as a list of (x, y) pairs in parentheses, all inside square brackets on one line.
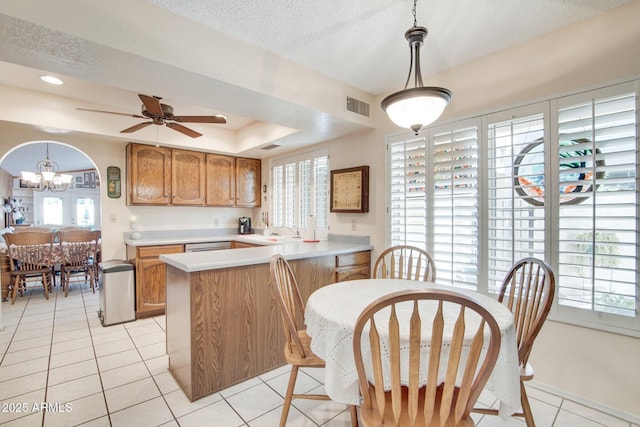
[(528, 172)]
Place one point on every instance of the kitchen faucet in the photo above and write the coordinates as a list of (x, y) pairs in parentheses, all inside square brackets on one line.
[(296, 231)]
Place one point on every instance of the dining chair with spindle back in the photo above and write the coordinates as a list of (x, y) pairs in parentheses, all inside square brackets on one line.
[(30, 255), (79, 254), (297, 350), (527, 290), (440, 384), (405, 262)]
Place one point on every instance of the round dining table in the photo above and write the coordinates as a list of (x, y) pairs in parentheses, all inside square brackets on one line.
[(330, 316)]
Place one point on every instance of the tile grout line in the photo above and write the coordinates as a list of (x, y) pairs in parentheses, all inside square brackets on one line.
[(95, 355), (151, 375), (21, 317)]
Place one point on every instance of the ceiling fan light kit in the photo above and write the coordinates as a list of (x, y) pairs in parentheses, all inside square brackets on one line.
[(419, 106), (162, 114)]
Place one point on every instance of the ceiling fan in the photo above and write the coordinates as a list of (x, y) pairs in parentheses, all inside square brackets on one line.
[(162, 114)]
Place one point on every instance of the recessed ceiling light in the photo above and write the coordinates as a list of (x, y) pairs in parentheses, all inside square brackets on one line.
[(51, 80)]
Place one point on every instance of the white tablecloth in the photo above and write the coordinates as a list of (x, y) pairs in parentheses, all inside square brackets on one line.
[(331, 314)]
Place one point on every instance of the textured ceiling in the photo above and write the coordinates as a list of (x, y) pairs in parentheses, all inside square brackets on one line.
[(279, 69), (361, 42)]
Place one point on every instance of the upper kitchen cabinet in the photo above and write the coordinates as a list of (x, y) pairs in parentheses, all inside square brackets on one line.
[(187, 177), (165, 176), (221, 180), (247, 182), (148, 175)]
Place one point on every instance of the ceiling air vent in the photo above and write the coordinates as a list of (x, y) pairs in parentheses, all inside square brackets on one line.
[(270, 147), (356, 106)]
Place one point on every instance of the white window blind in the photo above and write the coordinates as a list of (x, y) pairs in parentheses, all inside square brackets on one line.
[(598, 206), (455, 205), (299, 190), (515, 186), (434, 200), (408, 195)]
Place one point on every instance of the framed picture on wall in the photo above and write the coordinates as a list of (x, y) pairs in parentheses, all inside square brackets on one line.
[(350, 190), (86, 180)]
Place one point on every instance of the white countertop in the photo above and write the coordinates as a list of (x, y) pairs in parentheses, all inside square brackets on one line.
[(212, 260), (178, 240)]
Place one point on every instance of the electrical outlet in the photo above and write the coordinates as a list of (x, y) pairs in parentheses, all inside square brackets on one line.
[(353, 225)]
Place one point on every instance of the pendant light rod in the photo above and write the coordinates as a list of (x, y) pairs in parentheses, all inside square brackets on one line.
[(421, 105)]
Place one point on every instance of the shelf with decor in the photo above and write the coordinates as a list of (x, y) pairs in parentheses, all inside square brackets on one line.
[(22, 203)]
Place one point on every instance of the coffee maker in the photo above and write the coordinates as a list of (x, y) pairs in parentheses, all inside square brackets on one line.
[(244, 225)]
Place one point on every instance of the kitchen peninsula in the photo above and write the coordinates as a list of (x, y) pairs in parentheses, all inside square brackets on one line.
[(223, 321)]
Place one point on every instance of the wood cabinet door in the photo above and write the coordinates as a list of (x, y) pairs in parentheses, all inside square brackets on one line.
[(150, 286), (220, 180), (148, 175), (187, 177), (247, 182)]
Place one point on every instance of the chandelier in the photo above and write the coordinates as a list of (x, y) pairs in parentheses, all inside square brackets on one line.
[(46, 176), (419, 106)]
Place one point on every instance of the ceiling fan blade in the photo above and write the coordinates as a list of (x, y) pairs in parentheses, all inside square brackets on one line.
[(152, 104), (183, 129), (200, 119), (136, 127), (137, 116)]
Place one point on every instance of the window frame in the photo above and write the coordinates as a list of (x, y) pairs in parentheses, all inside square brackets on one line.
[(298, 159), (549, 108)]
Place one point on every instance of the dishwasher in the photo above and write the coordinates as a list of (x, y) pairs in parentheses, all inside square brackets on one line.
[(208, 246)]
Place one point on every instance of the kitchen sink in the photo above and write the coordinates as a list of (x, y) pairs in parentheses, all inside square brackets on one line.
[(279, 238), (273, 239)]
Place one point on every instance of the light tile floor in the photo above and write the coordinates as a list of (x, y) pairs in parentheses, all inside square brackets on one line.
[(60, 367)]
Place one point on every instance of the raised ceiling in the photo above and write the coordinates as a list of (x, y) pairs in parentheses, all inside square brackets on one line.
[(280, 70)]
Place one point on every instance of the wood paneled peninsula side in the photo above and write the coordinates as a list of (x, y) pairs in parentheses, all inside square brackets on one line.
[(223, 322)]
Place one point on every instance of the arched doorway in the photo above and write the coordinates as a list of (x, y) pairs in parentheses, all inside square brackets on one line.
[(76, 205)]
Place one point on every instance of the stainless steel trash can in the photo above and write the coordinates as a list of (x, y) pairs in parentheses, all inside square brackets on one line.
[(116, 287)]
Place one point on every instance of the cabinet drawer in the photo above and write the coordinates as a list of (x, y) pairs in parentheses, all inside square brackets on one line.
[(238, 245), (353, 274), (154, 251), (356, 258)]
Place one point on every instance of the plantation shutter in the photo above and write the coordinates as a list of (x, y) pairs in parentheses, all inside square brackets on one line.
[(515, 186), (455, 205), (434, 199), (598, 205), (408, 196), (321, 191), (300, 189)]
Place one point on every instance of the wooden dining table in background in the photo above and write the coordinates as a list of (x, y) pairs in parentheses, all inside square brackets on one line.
[(56, 259), (331, 314)]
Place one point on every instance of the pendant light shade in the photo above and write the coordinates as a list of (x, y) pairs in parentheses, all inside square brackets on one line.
[(419, 106), (46, 176)]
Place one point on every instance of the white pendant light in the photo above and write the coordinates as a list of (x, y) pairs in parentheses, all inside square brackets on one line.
[(419, 106)]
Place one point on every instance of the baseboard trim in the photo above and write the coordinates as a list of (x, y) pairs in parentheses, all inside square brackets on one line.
[(626, 416)]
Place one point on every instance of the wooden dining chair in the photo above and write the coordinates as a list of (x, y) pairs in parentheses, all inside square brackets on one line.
[(30, 260), (79, 255), (527, 290), (443, 378), (405, 262), (297, 349), (33, 229)]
